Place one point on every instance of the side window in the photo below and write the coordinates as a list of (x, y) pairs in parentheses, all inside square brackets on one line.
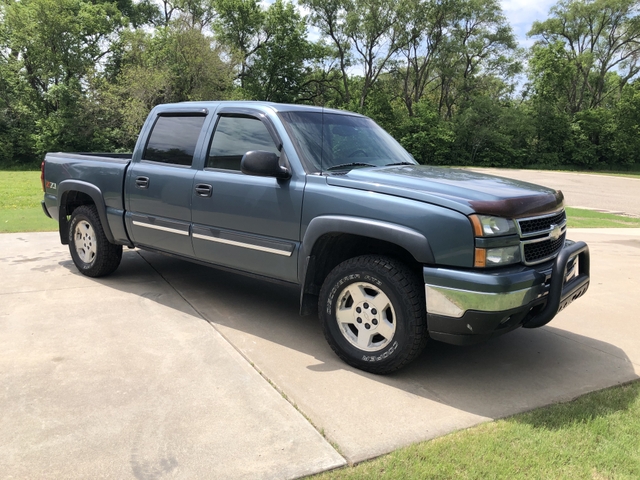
[(173, 139), (235, 136)]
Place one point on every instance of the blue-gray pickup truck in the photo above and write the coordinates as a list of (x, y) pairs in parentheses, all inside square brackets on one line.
[(390, 253)]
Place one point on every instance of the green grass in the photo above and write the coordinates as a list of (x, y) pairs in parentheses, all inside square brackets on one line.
[(20, 210), (581, 218), (596, 436)]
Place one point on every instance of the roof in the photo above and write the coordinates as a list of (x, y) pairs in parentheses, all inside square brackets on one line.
[(276, 107)]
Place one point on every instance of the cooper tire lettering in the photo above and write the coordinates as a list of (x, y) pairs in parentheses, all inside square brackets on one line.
[(372, 313)]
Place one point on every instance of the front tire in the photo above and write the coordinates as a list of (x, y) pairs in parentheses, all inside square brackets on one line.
[(89, 247), (373, 313)]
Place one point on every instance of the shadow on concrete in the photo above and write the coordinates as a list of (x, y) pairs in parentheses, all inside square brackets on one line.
[(516, 372)]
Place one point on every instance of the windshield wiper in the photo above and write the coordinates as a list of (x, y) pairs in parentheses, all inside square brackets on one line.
[(398, 163), (352, 164)]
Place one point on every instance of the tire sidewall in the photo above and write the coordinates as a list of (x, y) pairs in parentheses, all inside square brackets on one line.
[(337, 281)]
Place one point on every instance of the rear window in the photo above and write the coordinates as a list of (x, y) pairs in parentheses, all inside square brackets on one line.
[(173, 139)]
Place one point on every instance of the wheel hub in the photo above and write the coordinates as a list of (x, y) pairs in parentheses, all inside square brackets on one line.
[(365, 316), (85, 241)]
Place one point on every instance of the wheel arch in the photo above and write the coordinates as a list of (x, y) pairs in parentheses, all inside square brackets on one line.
[(71, 195), (330, 240)]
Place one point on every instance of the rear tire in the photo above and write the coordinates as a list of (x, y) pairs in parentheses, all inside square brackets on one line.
[(373, 313), (90, 250)]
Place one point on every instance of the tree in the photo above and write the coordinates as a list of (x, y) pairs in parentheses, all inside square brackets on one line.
[(239, 27), (279, 70), (479, 46), (175, 64), (590, 40), (376, 30), (626, 142), (329, 16), (51, 47), (426, 31)]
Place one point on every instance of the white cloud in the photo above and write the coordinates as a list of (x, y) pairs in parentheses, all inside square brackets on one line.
[(522, 13)]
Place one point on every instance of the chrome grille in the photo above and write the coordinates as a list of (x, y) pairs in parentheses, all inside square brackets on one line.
[(541, 223), (541, 251), (541, 238)]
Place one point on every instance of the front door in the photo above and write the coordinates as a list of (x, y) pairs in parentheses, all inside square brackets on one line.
[(241, 221)]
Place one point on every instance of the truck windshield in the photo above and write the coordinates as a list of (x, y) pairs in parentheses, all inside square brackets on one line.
[(335, 142)]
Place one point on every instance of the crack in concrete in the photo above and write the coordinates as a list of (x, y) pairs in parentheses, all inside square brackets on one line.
[(273, 385)]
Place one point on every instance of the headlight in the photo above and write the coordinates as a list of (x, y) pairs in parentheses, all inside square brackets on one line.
[(488, 226), (497, 241)]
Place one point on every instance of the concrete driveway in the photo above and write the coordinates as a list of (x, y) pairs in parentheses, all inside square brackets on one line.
[(168, 369)]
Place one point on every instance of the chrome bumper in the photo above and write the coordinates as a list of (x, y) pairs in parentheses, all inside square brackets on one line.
[(506, 296)]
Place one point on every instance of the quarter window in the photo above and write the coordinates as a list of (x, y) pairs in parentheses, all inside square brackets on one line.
[(235, 136), (173, 139)]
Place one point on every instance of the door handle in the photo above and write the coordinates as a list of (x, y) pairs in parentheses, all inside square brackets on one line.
[(142, 182), (204, 190)]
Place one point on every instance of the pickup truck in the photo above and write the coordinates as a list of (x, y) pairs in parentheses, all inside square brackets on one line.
[(390, 253)]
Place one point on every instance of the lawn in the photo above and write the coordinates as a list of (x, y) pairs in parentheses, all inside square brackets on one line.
[(20, 210), (581, 218), (596, 436)]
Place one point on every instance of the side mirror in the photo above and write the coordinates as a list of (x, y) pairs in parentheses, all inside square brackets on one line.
[(263, 164)]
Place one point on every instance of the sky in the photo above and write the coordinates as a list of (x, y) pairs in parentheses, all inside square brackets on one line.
[(522, 13)]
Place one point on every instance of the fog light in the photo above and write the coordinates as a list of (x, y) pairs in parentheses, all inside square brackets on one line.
[(503, 255)]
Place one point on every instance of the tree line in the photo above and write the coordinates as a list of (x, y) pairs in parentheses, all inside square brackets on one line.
[(445, 77)]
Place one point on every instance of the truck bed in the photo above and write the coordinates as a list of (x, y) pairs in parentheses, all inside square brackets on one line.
[(98, 175)]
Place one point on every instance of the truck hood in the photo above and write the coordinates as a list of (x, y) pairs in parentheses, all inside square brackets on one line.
[(462, 190)]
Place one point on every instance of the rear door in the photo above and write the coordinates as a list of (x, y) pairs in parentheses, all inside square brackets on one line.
[(159, 184), (241, 221)]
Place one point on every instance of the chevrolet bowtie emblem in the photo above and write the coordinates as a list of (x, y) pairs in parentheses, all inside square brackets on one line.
[(556, 232)]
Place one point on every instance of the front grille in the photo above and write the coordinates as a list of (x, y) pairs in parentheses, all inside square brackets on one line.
[(542, 238), (540, 251), (533, 225)]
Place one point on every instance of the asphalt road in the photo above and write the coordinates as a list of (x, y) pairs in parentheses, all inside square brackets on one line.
[(601, 192)]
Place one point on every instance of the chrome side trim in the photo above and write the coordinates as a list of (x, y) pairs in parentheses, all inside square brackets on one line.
[(159, 227), (452, 302), (243, 245)]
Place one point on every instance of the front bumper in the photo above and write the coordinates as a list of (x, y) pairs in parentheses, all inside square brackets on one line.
[(468, 306)]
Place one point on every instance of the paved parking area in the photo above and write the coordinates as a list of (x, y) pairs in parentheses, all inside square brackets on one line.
[(168, 369)]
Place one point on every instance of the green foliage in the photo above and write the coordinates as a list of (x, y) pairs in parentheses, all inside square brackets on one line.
[(427, 136), (626, 136), (596, 44), (278, 72), (82, 75)]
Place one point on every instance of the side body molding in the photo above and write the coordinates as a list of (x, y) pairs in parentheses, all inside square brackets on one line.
[(94, 192), (411, 240)]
